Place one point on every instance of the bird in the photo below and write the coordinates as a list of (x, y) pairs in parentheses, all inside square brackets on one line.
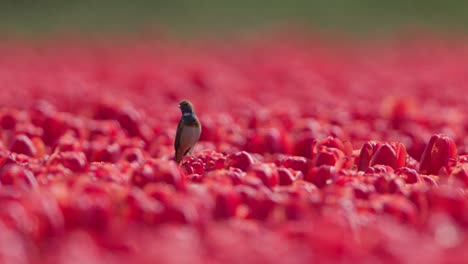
[(188, 131)]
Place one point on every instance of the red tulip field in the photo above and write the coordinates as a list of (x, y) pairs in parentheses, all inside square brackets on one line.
[(313, 150)]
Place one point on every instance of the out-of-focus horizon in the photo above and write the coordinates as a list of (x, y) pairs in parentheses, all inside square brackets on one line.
[(191, 16)]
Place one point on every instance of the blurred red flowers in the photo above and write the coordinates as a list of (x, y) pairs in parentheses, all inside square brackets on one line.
[(310, 151)]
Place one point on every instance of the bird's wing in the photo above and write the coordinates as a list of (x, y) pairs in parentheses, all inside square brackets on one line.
[(178, 135)]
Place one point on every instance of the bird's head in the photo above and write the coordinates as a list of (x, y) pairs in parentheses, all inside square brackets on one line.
[(186, 107)]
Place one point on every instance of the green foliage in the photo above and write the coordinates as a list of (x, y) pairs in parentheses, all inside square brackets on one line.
[(196, 15)]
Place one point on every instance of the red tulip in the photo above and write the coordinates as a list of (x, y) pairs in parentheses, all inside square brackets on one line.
[(367, 152), (23, 145), (437, 154), (241, 160), (321, 176)]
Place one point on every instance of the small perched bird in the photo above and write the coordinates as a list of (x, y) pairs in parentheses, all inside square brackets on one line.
[(188, 131)]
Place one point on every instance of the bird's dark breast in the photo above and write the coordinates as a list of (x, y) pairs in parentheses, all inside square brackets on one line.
[(191, 121)]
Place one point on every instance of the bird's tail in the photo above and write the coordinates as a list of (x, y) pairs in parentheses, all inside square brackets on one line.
[(178, 156)]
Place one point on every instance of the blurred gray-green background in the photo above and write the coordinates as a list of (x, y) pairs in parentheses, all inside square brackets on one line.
[(191, 16)]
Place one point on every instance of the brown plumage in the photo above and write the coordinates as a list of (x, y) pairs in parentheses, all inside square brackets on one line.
[(188, 131)]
